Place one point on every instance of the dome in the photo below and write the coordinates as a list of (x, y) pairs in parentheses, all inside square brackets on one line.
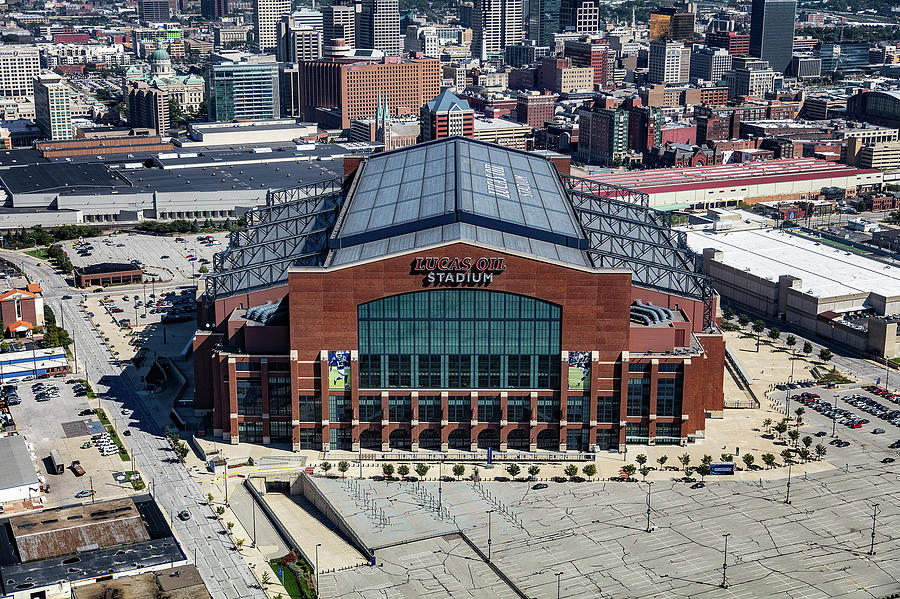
[(159, 55)]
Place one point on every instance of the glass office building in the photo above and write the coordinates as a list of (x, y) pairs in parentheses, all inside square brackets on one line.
[(772, 32), (243, 91)]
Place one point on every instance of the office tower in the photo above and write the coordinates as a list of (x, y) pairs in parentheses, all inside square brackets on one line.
[(543, 20), (708, 63), (751, 78), (594, 53), (339, 22), (378, 26), (579, 16), (665, 61), (153, 11), (148, 107), (51, 106), (19, 66), (668, 23), (495, 25), (242, 86), (213, 9), (351, 91), (268, 14), (308, 17), (290, 91), (561, 76), (446, 116), (297, 42), (737, 44), (602, 136), (772, 32), (535, 109)]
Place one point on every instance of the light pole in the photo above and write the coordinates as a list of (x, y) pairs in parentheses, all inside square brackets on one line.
[(833, 425), (724, 584), (317, 566), (558, 574), (489, 512), (787, 498), (440, 483), (649, 483), (872, 544), (253, 509)]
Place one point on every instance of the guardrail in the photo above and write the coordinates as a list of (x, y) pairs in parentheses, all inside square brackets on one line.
[(481, 456)]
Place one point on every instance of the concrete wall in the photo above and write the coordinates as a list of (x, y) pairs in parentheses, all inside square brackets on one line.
[(318, 499)]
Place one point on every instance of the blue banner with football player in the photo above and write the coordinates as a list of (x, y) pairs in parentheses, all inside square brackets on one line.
[(579, 370), (339, 369)]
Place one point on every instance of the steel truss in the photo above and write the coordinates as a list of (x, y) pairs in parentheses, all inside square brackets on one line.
[(291, 229), (624, 232)]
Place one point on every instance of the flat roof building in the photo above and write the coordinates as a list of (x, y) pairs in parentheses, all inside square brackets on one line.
[(107, 273), (18, 477)]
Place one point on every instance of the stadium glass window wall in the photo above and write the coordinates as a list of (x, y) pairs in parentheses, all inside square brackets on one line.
[(459, 339)]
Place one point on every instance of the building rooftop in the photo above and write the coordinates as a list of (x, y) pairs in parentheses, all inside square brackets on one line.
[(446, 101), (824, 270), (462, 180), (60, 177), (107, 268), (182, 582), (18, 469)]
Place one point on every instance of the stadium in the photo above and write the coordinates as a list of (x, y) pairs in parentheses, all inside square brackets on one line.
[(457, 296)]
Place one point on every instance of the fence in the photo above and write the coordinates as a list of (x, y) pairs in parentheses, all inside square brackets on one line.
[(479, 456)]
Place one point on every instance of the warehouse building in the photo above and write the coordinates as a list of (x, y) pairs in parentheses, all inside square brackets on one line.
[(823, 290), (18, 477), (729, 184), (458, 296)]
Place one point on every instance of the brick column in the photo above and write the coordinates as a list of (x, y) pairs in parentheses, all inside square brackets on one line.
[(563, 399), (474, 423), (532, 431), (354, 400), (264, 399), (295, 401), (445, 414), (414, 421), (592, 406), (654, 380), (323, 398), (231, 435), (504, 429), (623, 399), (385, 415)]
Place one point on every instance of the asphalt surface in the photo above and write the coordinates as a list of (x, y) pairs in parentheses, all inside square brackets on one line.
[(224, 571)]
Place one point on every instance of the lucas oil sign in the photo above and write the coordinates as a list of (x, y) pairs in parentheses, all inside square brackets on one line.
[(457, 272)]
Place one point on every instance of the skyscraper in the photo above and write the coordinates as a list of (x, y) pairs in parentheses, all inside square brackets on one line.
[(213, 9), (446, 116), (51, 106), (378, 26), (665, 64), (297, 42), (242, 86), (772, 32), (153, 11), (580, 16), (339, 22), (495, 25), (19, 66), (267, 14), (543, 21), (148, 107)]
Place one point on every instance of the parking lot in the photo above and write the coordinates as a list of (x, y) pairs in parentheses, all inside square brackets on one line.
[(162, 257), (58, 424)]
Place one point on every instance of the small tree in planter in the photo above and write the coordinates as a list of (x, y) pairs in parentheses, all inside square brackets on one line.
[(220, 510), (533, 471), (325, 466), (387, 470), (229, 526), (459, 470), (703, 470), (590, 471), (644, 472), (343, 466), (421, 470), (786, 455), (661, 460), (239, 543), (629, 470), (726, 457), (748, 459), (513, 470), (266, 578), (571, 471), (641, 459), (403, 470)]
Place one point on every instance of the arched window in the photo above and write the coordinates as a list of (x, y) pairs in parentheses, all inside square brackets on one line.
[(459, 339)]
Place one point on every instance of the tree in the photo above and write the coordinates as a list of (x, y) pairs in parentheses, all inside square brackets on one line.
[(685, 460), (820, 451), (804, 453), (774, 333), (644, 472), (266, 578), (571, 471), (825, 355), (800, 411), (459, 470), (239, 543), (768, 459), (706, 459), (781, 428), (220, 510), (209, 497), (641, 459), (590, 471), (343, 466), (768, 424), (421, 470), (533, 471), (229, 526), (807, 348), (703, 470), (387, 470), (727, 313), (661, 460), (743, 320), (794, 434), (791, 341), (726, 457), (203, 270), (176, 114), (629, 470), (513, 470), (403, 470), (758, 327), (748, 460), (786, 455), (325, 466)]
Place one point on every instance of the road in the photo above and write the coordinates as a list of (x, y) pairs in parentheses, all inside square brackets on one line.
[(224, 571)]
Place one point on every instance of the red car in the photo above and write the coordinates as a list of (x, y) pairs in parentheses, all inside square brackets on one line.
[(856, 425), (813, 395)]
